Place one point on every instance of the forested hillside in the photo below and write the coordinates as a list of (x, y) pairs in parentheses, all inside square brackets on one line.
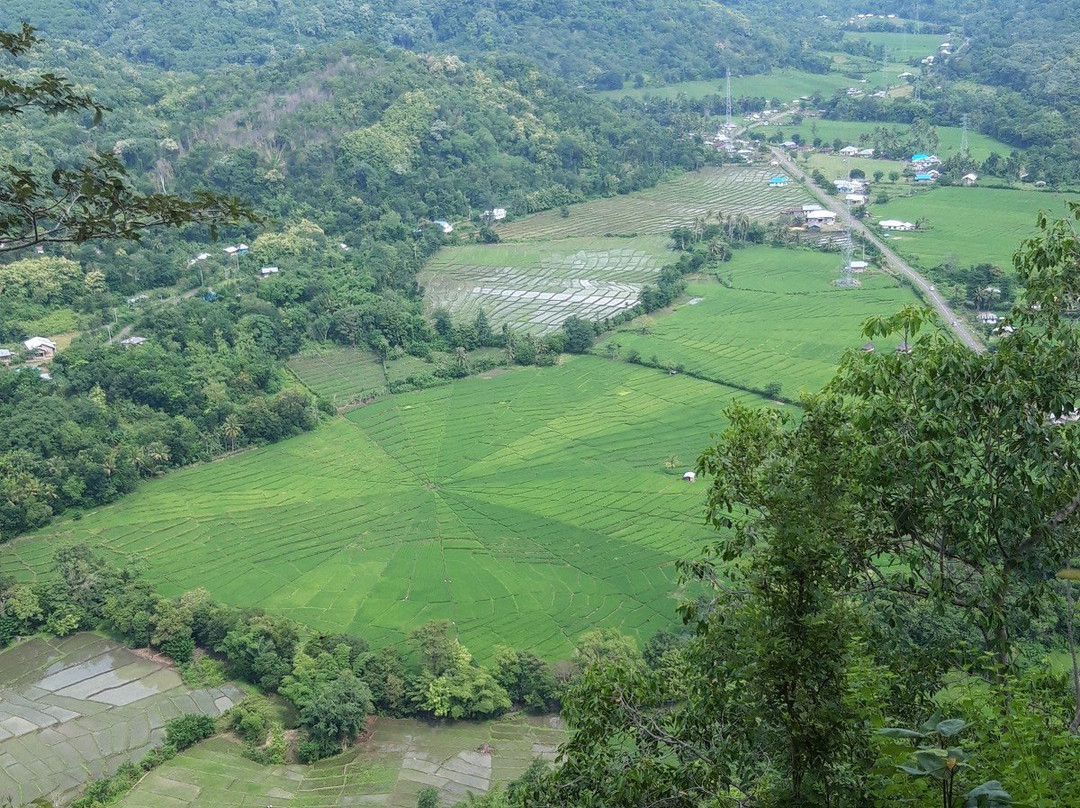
[(582, 40)]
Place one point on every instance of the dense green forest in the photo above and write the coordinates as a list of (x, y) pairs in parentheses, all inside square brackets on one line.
[(595, 41)]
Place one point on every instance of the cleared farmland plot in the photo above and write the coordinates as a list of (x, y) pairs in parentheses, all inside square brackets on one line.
[(402, 757), (972, 225), (73, 709), (535, 287), (656, 211), (527, 508), (781, 321)]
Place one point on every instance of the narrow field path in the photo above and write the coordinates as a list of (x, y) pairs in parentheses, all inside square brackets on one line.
[(894, 262)]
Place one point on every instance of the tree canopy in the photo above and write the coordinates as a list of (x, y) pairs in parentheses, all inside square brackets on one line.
[(95, 200)]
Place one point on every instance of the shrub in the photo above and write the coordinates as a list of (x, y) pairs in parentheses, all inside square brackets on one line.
[(205, 671), (188, 730)]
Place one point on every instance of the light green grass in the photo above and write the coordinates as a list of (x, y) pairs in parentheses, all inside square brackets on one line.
[(656, 211), (527, 508), (836, 167), (58, 321), (401, 758), (782, 321), (972, 225), (340, 374)]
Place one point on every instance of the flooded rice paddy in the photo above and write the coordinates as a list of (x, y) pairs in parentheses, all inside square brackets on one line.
[(73, 709)]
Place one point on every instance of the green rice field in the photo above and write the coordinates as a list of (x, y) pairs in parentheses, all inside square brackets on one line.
[(781, 321), (656, 211), (536, 286), (400, 758), (340, 374), (526, 508), (790, 83), (972, 225)]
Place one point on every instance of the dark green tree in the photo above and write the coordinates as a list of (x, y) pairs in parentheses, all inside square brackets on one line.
[(336, 713), (579, 335)]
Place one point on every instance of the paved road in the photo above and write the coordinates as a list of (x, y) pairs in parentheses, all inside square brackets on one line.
[(893, 261)]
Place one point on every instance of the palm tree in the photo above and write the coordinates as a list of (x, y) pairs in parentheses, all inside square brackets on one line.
[(541, 350), (509, 346), (460, 356), (671, 463), (139, 459), (158, 453), (108, 463), (742, 226), (232, 430)]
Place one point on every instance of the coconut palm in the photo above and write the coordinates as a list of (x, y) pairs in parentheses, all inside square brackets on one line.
[(232, 430)]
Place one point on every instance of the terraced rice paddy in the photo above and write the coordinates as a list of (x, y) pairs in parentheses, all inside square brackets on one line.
[(970, 225), (535, 287), (527, 508), (782, 321), (401, 758), (73, 709), (656, 211)]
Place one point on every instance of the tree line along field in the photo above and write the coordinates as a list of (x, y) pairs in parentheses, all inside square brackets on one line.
[(970, 225), (526, 508), (535, 286), (656, 211), (401, 757), (781, 322)]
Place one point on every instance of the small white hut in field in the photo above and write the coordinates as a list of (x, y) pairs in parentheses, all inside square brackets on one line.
[(690, 476)]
